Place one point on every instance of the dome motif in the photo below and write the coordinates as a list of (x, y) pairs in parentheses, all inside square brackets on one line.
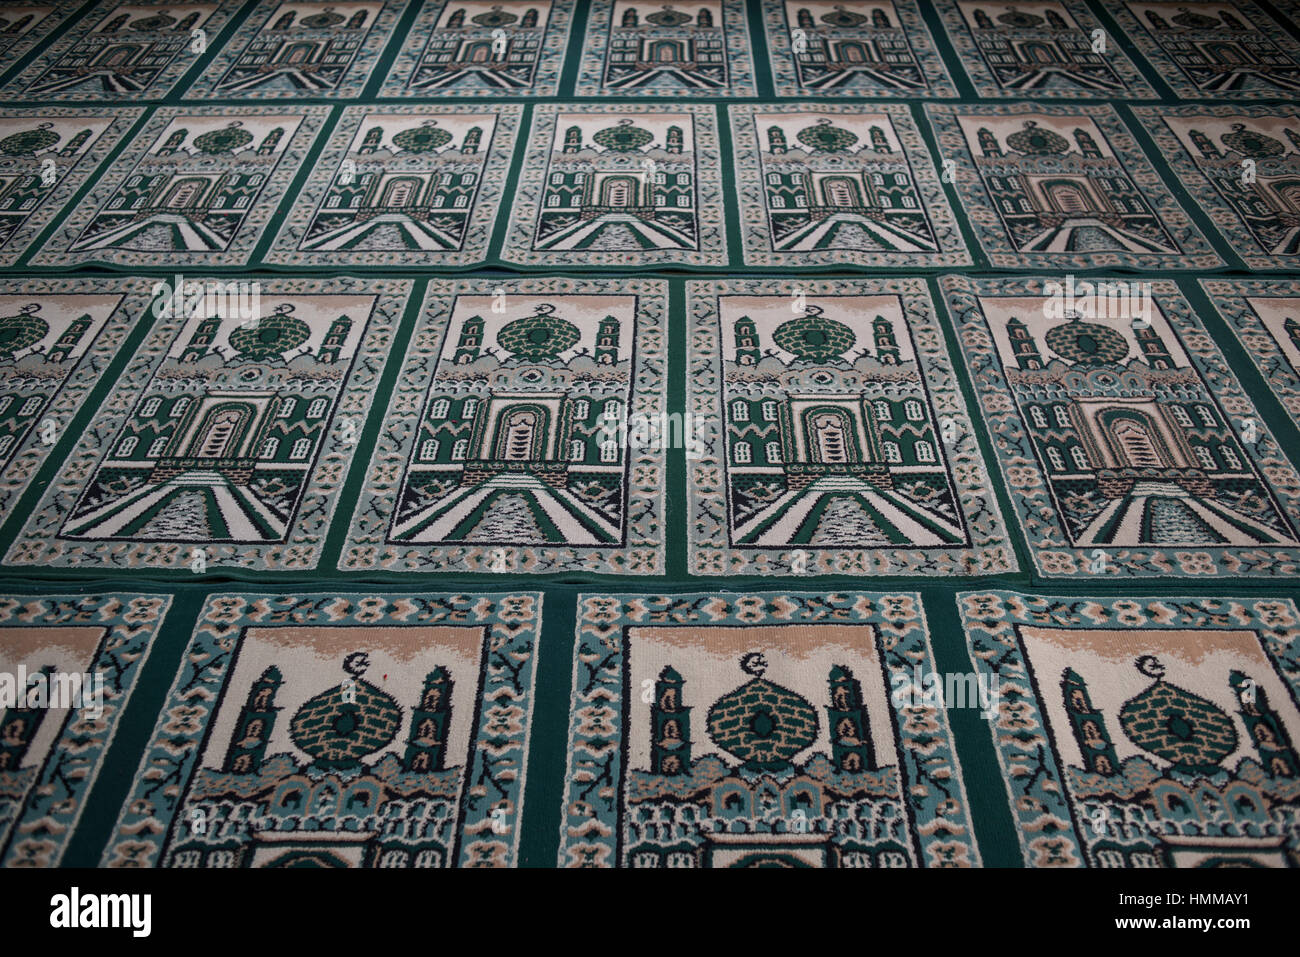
[(271, 337), (320, 21), (29, 142), (823, 137), (762, 723), (1186, 730), (1020, 19), (1252, 143), (623, 138), (21, 331), (496, 17), (159, 22), (1087, 343), (814, 336), (340, 726), (422, 139), (1033, 140), (215, 142), (1195, 21), (843, 18), (542, 335), (668, 17)]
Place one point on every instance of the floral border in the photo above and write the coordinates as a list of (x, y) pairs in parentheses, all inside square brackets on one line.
[(1035, 785), (785, 78), (1023, 479), (52, 807), (38, 543), (365, 547), (56, 251), (1197, 185), (60, 10), (351, 85), (512, 627), (1229, 297), (18, 469), (123, 118), (487, 200), (990, 551), (550, 62), (164, 83), (740, 66), (529, 185), (923, 737), (755, 230), (991, 233), (986, 84)]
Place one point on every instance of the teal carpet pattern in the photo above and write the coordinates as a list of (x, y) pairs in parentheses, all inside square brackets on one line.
[(599, 433)]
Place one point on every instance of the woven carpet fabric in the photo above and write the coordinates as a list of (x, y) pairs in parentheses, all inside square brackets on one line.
[(605, 433)]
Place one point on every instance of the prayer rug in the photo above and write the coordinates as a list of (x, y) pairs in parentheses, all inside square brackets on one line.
[(340, 730), (853, 48), (821, 185), (196, 186), (1231, 51), (835, 439), (526, 433), (700, 48), (57, 336), (1105, 204), (486, 48), (122, 52), (772, 730), (46, 154), (68, 666), (1265, 315), (403, 186), (23, 28), (227, 439), (619, 184), (1242, 164), (1127, 445), (1144, 732), (301, 49), (1040, 49)]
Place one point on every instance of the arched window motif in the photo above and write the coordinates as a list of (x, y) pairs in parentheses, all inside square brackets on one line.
[(739, 411), (179, 406), (892, 453), (459, 450), (317, 408), (577, 450), (924, 451), (883, 412), (469, 408), (1062, 416), (32, 405), (127, 446), (1135, 444), (439, 409), (742, 453), (830, 437), (1181, 416), (1230, 457), (429, 450), (300, 449), (1206, 458), (150, 407), (581, 409), (769, 410), (270, 447), (773, 451), (1054, 456), (157, 447), (912, 409), (609, 451), (1080, 457), (1040, 420), (287, 405), (1206, 415), (520, 433)]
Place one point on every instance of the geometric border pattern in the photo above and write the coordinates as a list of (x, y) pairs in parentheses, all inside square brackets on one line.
[(1230, 299)]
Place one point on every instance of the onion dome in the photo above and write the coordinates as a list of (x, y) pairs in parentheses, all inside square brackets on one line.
[(1034, 140), (159, 22), (422, 139), (1195, 21), (21, 331), (761, 723), (1191, 733), (623, 138), (542, 335), (668, 17), (270, 337), (340, 726), (1020, 19), (840, 17), (496, 17), (323, 20), (814, 336), (1252, 143), (1087, 343), (823, 137), (215, 142), (28, 142)]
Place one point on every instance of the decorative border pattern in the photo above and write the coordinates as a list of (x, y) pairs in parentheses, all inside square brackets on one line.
[(529, 186), (550, 63), (19, 468), (487, 200), (643, 554), (60, 10), (1230, 299), (512, 622), (988, 227), (351, 85), (1031, 768), (740, 67), (38, 543), (785, 78), (1226, 219), (711, 553), (122, 119), (53, 805), (756, 232), (986, 84), (1027, 489), (56, 252), (940, 823), (163, 83)]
